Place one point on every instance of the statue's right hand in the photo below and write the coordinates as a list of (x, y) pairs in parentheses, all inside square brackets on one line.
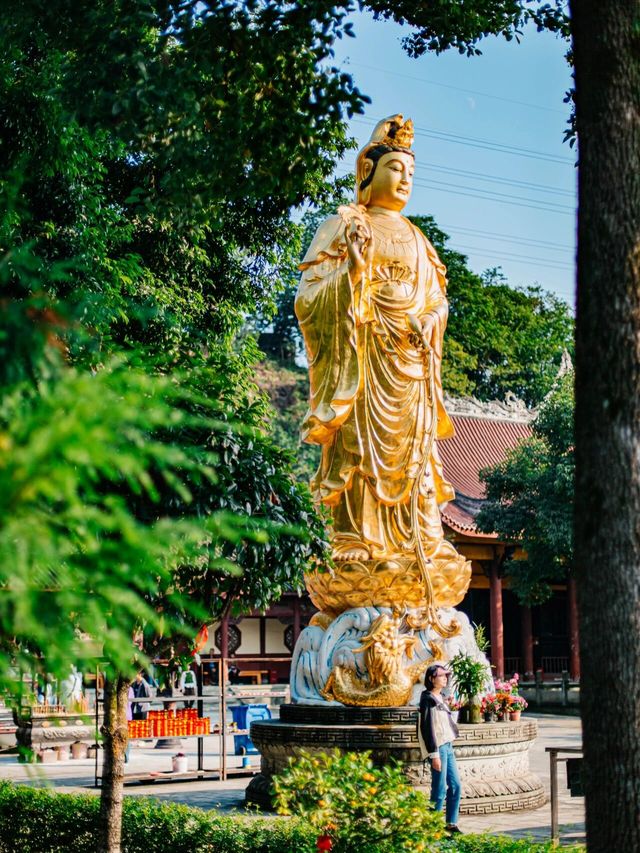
[(358, 248)]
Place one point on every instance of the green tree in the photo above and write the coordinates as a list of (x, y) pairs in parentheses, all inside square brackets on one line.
[(148, 165), (530, 498), (439, 26)]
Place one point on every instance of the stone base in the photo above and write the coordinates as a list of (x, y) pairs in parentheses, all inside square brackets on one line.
[(42, 731), (493, 758)]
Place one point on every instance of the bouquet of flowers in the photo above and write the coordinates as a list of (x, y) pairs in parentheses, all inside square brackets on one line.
[(490, 704), (507, 694), (454, 704), (510, 686)]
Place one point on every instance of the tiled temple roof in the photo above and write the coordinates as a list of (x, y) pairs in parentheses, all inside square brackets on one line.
[(484, 433)]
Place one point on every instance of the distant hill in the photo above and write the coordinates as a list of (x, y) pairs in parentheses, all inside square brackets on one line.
[(288, 388)]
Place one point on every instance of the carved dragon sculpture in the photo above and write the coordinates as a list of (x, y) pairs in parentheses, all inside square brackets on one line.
[(390, 681)]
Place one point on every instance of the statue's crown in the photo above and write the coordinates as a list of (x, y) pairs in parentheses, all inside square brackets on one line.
[(393, 131), (400, 134)]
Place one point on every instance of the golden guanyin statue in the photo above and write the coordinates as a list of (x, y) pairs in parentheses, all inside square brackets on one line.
[(372, 308)]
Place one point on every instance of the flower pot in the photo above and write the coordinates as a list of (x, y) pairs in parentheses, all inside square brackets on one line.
[(475, 714), (79, 750), (180, 763), (514, 716), (490, 717)]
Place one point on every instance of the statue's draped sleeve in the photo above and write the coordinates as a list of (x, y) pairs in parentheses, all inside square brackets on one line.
[(438, 307), (324, 308)]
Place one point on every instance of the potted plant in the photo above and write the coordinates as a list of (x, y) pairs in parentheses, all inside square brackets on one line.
[(489, 707), (516, 707), (470, 677), (510, 700)]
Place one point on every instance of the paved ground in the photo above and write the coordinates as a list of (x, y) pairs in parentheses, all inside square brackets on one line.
[(225, 796)]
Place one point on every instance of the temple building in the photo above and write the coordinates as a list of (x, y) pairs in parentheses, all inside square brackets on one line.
[(523, 639)]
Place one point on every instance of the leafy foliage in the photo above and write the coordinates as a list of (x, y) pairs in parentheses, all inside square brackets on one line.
[(503, 844), (530, 498), (38, 821), (253, 481), (450, 24), (499, 339), (359, 806), (76, 560), (146, 143), (148, 167), (288, 388), (469, 675)]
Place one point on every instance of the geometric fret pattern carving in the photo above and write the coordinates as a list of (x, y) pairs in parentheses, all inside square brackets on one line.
[(493, 758)]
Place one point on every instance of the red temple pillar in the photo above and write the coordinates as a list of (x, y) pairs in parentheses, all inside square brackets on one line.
[(574, 638), (296, 620), (224, 637), (497, 627), (527, 643)]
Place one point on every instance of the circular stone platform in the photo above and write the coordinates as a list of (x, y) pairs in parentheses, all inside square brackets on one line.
[(493, 758)]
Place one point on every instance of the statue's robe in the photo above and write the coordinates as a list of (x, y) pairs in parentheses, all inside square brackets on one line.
[(370, 407)]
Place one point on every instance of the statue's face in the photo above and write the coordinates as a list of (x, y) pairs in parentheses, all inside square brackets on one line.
[(392, 181)]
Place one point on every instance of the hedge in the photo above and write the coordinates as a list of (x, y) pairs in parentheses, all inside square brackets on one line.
[(37, 820), (503, 844)]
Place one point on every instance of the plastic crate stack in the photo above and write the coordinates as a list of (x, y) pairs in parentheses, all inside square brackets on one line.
[(182, 723)]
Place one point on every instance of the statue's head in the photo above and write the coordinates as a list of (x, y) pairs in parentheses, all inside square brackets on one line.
[(385, 166)]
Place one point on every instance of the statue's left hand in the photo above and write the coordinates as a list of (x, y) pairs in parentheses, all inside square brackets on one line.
[(428, 327)]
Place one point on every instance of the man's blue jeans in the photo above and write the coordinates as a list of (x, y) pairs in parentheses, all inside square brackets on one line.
[(445, 784)]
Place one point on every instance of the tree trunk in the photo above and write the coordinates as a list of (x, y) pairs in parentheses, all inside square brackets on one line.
[(114, 731), (607, 508), (574, 632)]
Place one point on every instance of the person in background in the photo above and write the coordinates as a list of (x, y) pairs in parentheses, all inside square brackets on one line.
[(141, 690), (130, 696), (436, 734), (188, 685)]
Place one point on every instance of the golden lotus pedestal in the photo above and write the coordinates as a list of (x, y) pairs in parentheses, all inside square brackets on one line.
[(395, 583), (492, 758), (380, 623)]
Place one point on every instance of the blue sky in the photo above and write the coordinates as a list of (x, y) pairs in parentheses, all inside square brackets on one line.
[(491, 165)]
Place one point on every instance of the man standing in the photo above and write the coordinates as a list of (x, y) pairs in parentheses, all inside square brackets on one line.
[(141, 690), (436, 734)]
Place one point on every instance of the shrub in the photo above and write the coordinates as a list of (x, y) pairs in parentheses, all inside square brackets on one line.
[(503, 844), (36, 820), (357, 806)]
